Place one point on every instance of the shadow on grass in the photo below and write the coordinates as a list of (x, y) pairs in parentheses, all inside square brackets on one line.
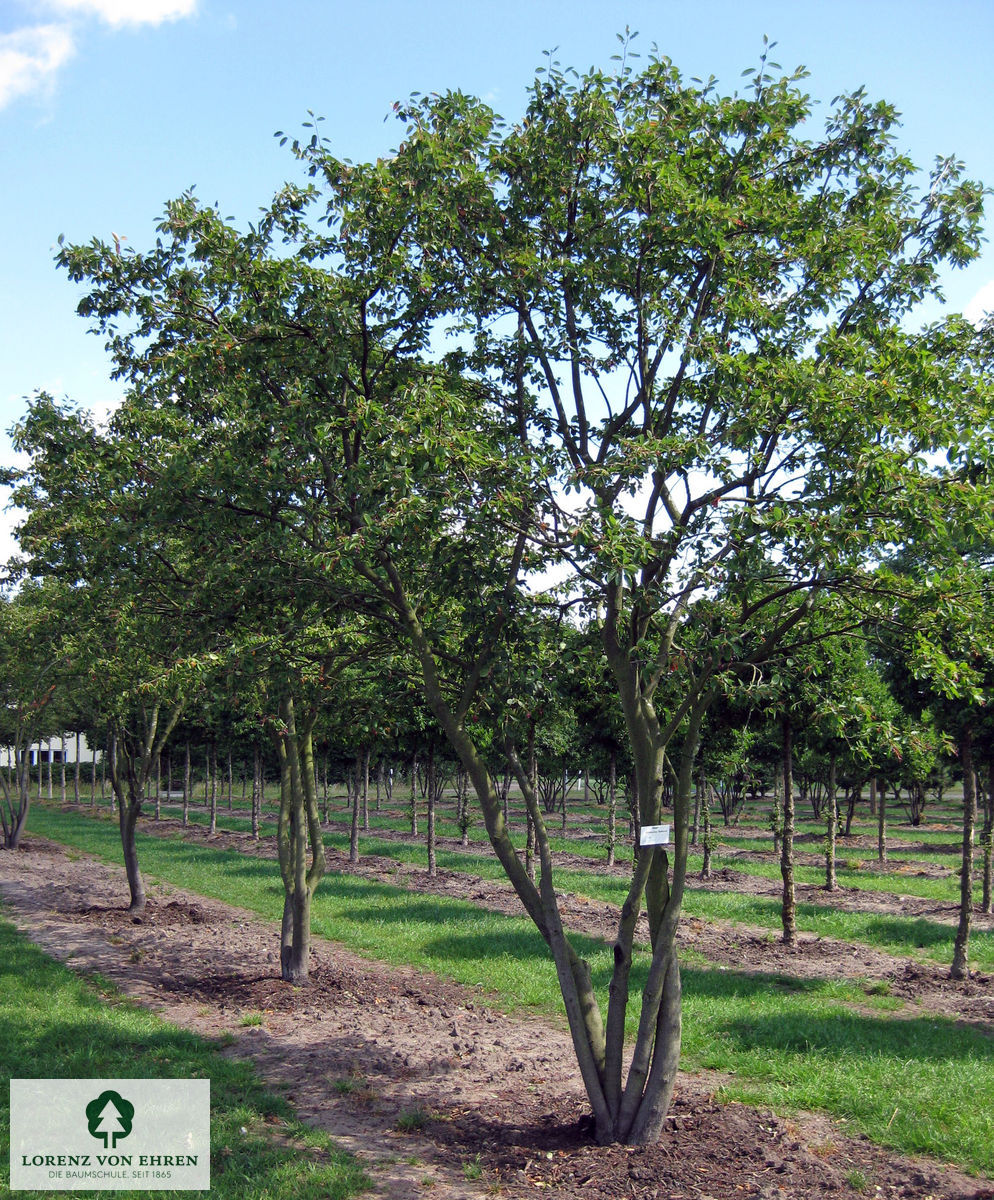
[(849, 1035), (53, 1025)]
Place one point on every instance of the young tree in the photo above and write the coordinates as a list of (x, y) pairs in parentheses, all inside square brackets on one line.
[(33, 668)]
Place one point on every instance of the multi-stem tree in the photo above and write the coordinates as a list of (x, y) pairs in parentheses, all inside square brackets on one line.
[(692, 377)]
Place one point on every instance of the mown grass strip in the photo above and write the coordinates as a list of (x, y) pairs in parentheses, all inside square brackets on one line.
[(920, 1084), (915, 937), (55, 1025), (866, 876)]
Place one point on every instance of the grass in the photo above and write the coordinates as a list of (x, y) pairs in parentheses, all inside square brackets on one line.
[(908, 936), (413, 1120), (919, 1084), (55, 1025)]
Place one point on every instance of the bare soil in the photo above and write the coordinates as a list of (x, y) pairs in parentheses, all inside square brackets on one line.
[(721, 943), (366, 1049)]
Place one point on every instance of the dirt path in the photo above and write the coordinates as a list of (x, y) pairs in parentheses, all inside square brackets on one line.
[(365, 1044)]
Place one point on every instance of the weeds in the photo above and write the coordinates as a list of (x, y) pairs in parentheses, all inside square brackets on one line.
[(413, 1120)]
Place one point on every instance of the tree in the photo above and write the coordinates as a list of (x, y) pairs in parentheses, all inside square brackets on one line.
[(33, 666), (126, 612), (714, 307), (688, 376)]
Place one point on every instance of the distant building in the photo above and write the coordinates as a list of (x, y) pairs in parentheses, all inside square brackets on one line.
[(60, 748)]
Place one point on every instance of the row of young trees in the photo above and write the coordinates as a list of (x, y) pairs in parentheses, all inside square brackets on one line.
[(683, 380)]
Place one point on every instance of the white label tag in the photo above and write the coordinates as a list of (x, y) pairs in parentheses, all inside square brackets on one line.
[(110, 1134), (655, 835)]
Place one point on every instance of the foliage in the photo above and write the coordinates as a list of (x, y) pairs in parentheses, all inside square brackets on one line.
[(686, 374)]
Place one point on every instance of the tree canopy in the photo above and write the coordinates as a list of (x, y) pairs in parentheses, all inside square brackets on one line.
[(684, 377)]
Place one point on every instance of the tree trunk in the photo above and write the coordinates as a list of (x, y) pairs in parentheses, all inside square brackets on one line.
[(832, 821), (430, 797), (882, 824), (75, 774), (299, 827), (13, 816), (788, 910), (128, 813), (158, 788), (414, 795), (704, 805), (635, 1113), (186, 787), (256, 790), (212, 786), (111, 757), (697, 811), (987, 835), (961, 949), (365, 790), (612, 807), (354, 829)]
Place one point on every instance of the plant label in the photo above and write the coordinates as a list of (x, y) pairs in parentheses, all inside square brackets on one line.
[(655, 835)]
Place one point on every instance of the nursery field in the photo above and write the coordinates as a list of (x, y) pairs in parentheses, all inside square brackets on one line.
[(430, 1040)]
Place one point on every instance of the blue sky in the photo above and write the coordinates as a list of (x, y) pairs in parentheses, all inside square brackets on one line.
[(110, 107)]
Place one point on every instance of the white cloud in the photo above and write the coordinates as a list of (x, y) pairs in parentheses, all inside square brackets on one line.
[(980, 305), (29, 59), (127, 12)]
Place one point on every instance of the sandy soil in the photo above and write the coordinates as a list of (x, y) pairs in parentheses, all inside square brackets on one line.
[(365, 1044)]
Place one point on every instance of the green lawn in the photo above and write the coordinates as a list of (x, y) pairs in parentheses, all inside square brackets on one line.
[(55, 1025), (918, 1083)]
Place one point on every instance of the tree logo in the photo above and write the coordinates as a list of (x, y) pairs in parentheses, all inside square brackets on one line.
[(109, 1117)]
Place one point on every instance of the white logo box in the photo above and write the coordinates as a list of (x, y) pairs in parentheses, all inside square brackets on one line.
[(110, 1134)]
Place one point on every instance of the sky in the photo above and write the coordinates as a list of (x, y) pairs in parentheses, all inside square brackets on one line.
[(109, 108)]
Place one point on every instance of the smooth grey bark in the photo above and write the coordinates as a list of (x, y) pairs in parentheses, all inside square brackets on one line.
[(632, 1113)]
